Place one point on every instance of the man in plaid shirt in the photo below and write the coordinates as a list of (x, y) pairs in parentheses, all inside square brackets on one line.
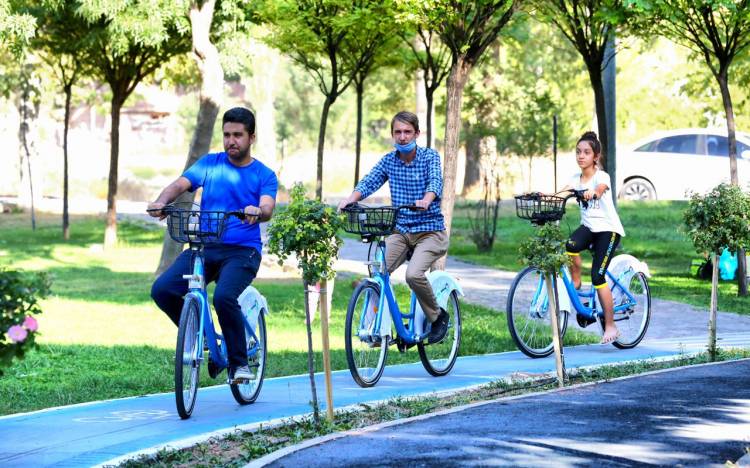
[(415, 178)]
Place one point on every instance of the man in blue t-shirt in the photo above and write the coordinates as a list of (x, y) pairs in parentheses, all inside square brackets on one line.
[(231, 181)]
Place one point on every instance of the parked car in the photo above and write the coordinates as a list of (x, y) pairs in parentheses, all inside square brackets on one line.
[(667, 165)]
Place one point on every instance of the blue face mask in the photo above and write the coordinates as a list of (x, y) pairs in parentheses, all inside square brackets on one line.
[(405, 148)]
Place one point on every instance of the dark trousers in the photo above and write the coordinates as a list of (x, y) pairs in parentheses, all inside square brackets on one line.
[(233, 268)]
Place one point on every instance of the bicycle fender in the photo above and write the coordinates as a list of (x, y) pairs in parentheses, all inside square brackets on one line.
[(252, 303), (443, 284), (624, 261), (563, 300)]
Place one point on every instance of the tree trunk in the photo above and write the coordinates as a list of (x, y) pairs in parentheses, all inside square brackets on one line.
[(456, 81), (595, 75), (310, 362), (473, 172), (110, 232), (358, 144), (430, 97), (712, 310), (211, 93), (68, 88), (26, 116), (321, 146), (732, 138)]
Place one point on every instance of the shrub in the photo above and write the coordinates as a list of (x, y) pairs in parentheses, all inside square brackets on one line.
[(19, 294), (545, 249)]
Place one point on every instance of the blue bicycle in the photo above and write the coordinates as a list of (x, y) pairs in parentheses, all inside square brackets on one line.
[(528, 301), (374, 320), (196, 333)]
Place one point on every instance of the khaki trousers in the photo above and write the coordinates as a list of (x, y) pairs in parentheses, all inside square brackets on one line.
[(427, 247)]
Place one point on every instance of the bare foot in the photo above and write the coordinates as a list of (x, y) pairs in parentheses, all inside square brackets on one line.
[(610, 335)]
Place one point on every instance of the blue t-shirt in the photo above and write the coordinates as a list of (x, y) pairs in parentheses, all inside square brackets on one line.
[(227, 187)]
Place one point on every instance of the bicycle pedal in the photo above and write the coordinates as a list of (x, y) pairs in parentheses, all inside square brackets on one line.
[(584, 321)]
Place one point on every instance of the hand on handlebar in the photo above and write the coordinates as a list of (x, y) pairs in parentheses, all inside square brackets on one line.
[(154, 209), (421, 205), (252, 214)]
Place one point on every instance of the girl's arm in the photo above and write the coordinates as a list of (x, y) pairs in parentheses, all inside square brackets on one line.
[(598, 191)]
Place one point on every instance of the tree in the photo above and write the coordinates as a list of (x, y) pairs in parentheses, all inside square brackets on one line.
[(467, 28), (309, 229), (715, 221), (59, 43), (16, 29), (368, 47), (313, 34), (211, 77), (433, 61), (129, 41), (588, 25), (719, 31)]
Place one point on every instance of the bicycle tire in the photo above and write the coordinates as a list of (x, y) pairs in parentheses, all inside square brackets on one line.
[(187, 364), (438, 358), (366, 359), (631, 333), (247, 392), (528, 316)]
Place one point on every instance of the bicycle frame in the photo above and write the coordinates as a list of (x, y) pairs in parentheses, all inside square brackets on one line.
[(206, 328), (574, 295), (387, 302)]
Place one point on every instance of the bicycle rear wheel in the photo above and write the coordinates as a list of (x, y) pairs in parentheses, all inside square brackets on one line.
[(366, 350), (438, 358), (186, 363), (247, 392), (529, 319), (633, 322)]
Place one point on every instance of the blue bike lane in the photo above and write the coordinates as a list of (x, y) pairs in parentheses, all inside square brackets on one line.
[(110, 431)]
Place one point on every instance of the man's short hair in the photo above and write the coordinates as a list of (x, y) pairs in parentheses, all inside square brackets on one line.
[(406, 117), (240, 115)]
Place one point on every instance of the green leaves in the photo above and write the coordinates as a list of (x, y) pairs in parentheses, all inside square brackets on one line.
[(308, 229), (19, 294), (719, 219), (545, 249)]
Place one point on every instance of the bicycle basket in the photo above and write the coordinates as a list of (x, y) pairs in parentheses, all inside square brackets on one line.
[(539, 208), (190, 224), (366, 221)]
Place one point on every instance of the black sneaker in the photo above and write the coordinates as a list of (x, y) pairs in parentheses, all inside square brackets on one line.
[(439, 328)]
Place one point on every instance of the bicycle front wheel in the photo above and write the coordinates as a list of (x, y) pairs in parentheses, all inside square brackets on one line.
[(247, 392), (186, 364), (366, 350), (438, 358), (633, 322), (528, 314)]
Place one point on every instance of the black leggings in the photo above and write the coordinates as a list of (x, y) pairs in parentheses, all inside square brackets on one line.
[(602, 245)]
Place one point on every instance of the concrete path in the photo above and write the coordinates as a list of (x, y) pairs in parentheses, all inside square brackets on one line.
[(700, 418), (104, 432), (489, 287)]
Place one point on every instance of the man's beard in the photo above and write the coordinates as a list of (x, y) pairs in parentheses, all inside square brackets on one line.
[(240, 155)]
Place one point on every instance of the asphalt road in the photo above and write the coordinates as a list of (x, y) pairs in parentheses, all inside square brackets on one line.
[(698, 416)]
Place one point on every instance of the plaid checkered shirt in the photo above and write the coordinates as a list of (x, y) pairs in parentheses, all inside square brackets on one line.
[(409, 183)]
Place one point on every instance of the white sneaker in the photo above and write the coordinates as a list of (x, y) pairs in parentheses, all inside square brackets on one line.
[(243, 373)]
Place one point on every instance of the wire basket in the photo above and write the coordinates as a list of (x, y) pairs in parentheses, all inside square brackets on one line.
[(539, 208), (366, 221), (190, 224)]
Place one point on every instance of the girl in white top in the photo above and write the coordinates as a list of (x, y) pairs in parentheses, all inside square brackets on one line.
[(600, 227)]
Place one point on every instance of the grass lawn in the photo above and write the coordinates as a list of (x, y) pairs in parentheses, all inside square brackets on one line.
[(653, 234), (102, 337)]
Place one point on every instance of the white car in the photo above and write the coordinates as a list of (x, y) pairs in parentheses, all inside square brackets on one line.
[(667, 165)]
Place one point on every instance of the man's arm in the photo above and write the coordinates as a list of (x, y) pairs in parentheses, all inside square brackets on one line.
[(168, 195), (353, 198)]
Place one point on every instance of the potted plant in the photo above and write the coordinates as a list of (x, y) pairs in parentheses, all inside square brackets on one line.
[(715, 221), (309, 230)]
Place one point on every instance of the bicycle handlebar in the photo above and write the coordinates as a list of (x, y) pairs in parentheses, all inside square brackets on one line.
[(167, 209)]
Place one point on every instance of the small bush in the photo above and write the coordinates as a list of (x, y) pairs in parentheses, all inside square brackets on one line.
[(19, 294)]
